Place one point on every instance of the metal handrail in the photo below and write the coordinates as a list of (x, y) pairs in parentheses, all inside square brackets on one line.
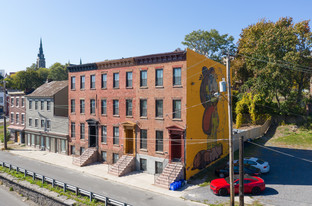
[(164, 166), (54, 182), (112, 165), (180, 160)]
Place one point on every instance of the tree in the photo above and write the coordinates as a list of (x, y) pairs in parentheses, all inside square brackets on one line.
[(58, 72), (275, 55), (210, 43)]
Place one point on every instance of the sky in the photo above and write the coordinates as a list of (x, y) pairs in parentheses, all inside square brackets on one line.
[(97, 30)]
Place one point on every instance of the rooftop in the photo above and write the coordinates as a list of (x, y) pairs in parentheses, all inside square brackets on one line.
[(49, 89)]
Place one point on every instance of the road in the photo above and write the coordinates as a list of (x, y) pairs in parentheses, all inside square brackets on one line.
[(9, 199), (288, 183), (124, 193)]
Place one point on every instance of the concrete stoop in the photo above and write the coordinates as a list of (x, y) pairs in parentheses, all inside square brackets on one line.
[(123, 166), (172, 172), (88, 157)]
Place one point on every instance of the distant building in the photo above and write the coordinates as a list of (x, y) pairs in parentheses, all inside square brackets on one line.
[(47, 117), (2, 72), (41, 60)]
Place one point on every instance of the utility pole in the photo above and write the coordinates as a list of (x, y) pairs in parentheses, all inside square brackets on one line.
[(231, 150), (241, 171), (4, 116)]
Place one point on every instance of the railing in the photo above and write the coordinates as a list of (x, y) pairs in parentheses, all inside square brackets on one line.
[(112, 165), (164, 163), (108, 201), (172, 172)]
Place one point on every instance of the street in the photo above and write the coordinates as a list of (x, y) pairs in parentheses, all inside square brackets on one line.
[(130, 195), (9, 199)]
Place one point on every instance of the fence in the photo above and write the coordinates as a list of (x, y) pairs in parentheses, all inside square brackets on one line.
[(108, 201), (252, 133)]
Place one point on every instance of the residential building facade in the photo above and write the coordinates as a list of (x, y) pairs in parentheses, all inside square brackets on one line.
[(141, 107), (47, 117), (17, 115)]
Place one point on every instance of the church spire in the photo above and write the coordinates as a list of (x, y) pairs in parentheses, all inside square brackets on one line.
[(40, 59)]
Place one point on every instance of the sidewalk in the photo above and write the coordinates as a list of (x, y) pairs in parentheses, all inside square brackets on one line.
[(137, 179)]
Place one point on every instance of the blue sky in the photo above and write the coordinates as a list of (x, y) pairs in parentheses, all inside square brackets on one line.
[(96, 30)]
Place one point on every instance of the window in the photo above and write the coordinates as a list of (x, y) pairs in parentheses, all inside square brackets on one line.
[(116, 80), (143, 107), (1, 100), (30, 104), (82, 130), (104, 134), (92, 81), (73, 83), (143, 139), (72, 149), (143, 78), (82, 106), (42, 105), (82, 149), (115, 107), (32, 139), (36, 105), (30, 122), (129, 107), (12, 118), (12, 101), (129, 79), (42, 123), (36, 122), (159, 108), (176, 109), (23, 102), (159, 141), (103, 107), (23, 119), (158, 167), (17, 118), (48, 143), (48, 105), (48, 124), (72, 126), (63, 146), (82, 82), (17, 101), (159, 77), (104, 156), (176, 76), (115, 157), (116, 135), (92, 106), (72, 106), (104, 81), (143, 164)]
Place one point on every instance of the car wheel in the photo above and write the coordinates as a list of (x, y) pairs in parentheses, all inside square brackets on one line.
[(223, 192), (221, 175), (256, 190)]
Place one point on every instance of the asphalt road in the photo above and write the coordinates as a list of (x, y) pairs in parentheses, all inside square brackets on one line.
[(124, 193), (9, 199), (288, 183)]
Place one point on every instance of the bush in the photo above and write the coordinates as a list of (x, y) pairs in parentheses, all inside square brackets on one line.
[(7, 137)]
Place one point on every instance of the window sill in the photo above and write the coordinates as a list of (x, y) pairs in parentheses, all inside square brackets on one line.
[(73, 89), (143, 150), (116, 115), (177, 86), (129, 116), (159, 152), (143, 117), (93, 114), (177, 120), (159, 87), (144, 87), (129, 87), (116, 145), (115, 87), (82, 113), (103, 143), (104, 88), (104, 115), (73, 113), (92, 89), (159, 118), (82, 89)]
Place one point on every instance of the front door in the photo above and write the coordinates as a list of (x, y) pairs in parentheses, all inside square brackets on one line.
[(176, 147), (92, 136), (129, 139)]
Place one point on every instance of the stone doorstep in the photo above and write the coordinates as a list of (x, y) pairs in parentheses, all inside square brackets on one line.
[(45, 192)]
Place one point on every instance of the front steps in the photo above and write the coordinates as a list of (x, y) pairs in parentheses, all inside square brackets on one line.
[(123, 166), (172, 172), (88, 156)]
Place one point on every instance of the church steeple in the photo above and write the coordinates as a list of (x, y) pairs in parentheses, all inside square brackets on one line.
[(41, 59)]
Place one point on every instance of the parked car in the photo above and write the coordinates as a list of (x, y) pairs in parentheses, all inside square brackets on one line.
[(256, 162), (252, 184), (248, 169)]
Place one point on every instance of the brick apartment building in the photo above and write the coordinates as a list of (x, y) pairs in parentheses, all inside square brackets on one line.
[(148, 111), (17, 115)]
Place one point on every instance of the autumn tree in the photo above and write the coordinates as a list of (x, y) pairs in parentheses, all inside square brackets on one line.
[(210, 43)]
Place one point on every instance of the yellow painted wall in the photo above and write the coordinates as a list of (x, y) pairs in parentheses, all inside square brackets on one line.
[(207, 115)]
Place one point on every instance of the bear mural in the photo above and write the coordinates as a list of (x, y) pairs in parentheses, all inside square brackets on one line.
[(210, 119)]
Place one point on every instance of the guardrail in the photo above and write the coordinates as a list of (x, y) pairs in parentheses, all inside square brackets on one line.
[(108, 201)]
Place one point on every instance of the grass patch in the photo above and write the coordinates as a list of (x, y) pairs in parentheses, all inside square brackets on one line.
[(81, 200)]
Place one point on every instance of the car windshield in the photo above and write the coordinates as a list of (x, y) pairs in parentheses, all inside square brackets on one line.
[(260, 161)]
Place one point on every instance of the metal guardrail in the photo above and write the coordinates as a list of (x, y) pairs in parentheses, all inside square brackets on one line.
[(108, 201)]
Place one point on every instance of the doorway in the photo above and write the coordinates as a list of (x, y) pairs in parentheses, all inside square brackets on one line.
[(92, 136), (176, 145)]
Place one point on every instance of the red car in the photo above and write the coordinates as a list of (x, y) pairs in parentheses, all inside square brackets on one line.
[(252, 184)]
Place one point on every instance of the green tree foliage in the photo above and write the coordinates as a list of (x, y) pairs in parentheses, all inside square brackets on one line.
[(209, 43), (58, 72), (274, 58)]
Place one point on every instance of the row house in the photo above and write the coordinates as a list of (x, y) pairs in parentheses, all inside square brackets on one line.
[(47, 117), (148, 113), (17, 115)]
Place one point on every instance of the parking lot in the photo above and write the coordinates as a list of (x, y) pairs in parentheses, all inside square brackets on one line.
[(288, 183)]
